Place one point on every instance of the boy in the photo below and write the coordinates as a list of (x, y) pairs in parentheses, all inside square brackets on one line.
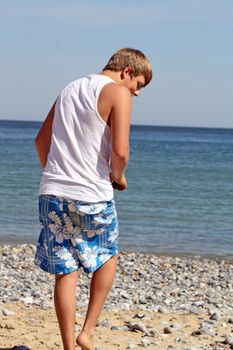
[(83, 147)]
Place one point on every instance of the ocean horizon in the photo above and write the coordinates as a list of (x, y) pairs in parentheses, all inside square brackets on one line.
[(132, 125), (179, 196)]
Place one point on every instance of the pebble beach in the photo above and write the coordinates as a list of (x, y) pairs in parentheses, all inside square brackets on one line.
[(157, 302)]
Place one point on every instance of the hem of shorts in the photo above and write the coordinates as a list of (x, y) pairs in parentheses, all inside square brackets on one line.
[(86, 270), (66, 272)]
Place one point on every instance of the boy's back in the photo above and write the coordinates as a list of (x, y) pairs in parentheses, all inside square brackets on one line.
[(80, 151)]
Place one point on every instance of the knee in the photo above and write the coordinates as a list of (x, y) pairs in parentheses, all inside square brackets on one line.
[(68, 276)]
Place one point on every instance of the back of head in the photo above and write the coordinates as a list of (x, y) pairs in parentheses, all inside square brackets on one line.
[(135, 59)]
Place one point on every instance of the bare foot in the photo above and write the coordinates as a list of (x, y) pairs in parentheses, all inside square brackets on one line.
[(85, 341)]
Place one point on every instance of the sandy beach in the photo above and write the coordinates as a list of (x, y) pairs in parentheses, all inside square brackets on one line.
[(156, 302)]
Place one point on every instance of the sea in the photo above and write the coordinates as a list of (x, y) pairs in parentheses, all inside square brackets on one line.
[(179, 199)]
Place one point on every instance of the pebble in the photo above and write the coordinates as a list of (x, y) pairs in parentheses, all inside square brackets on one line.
[(151, 332), (124, 295), (215, 316), (207, 328), (120, 328), (7, 312), (209, 332), (167, 330), (196, 333), (143, 282), (27, 300), (163, 310), (104, 323), (141, 316), (228, 340), (145, 341), (44, 305), (136, 326)]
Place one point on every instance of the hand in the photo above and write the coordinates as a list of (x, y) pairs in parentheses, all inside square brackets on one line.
[(119, 185)]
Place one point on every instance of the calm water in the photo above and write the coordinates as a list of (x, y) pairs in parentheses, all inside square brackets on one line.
[(180, 195)]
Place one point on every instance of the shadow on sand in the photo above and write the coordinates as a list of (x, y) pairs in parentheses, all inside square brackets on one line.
[(19, 347)]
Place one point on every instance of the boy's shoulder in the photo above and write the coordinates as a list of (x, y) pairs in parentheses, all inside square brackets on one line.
[(115, 91)]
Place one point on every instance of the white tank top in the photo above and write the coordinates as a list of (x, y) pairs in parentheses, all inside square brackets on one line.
[(78, 162)]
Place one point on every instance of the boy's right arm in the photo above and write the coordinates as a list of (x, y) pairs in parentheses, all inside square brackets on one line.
[(120, 129), (43, 139)]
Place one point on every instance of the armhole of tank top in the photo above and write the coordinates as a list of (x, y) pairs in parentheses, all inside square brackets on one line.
[(97, 98)]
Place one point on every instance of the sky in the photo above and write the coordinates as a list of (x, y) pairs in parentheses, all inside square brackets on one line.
[(47, 44)]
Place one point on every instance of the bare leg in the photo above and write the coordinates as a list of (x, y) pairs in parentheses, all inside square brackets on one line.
[(65, 305), (101, 284)]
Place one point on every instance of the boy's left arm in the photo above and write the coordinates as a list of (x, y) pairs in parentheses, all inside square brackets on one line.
[(43, 139)]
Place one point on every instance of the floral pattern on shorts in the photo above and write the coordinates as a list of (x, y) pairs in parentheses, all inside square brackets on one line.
[(75, 234)]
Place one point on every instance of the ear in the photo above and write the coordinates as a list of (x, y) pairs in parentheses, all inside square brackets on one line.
[(126, 71)]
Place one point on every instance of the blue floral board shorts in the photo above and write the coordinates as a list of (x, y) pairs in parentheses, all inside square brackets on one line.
[(75, 234)]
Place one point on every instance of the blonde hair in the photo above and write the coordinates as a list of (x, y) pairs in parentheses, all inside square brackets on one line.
[(135, 59)]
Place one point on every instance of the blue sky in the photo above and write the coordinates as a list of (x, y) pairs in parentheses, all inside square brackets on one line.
[(46, 44)]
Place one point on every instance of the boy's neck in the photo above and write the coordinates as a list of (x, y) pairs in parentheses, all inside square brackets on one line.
[(113, 75)]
